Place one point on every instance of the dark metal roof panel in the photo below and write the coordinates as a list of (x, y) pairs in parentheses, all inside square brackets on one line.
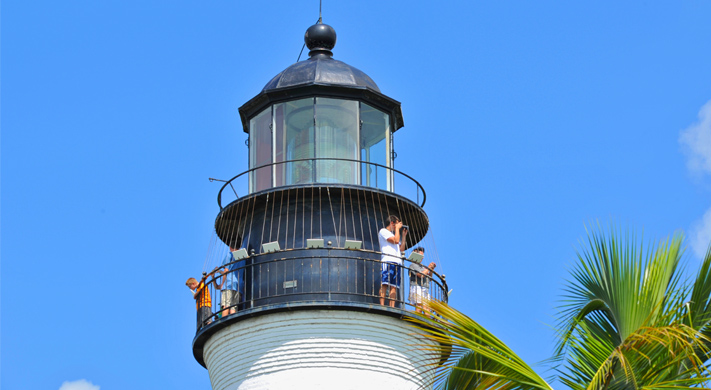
[(321, 70)]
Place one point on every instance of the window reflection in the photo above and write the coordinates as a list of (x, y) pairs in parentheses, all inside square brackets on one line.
[(320, 128), (374, 146), (260, 150), (295, 141), (336, 137)]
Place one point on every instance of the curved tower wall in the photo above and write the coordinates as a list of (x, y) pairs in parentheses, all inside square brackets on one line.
[(318, 349)]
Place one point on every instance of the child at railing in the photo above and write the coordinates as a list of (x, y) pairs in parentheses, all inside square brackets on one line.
[(203, 301)]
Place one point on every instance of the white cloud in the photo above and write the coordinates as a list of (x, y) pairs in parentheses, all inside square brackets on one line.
[(701, 235), (81, 384), (696, 142)]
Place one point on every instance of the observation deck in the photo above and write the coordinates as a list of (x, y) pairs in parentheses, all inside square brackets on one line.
[(307, 279)]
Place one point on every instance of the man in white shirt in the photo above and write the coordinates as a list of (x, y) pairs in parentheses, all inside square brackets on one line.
[(391, 245)]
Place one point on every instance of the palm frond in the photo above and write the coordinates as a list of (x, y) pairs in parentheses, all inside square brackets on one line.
[(628, 321), (477, 358), (700, 304), (617, 287), (647, 358)]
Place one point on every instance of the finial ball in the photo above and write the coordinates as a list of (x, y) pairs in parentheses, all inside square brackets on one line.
[(320, 37)]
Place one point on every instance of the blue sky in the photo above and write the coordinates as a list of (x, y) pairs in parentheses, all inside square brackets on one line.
[(524, 121)]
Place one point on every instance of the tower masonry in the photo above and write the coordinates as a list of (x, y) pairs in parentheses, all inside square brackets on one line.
[(317, 259)]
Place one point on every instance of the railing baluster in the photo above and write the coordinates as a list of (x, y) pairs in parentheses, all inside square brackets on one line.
[(332, 281), (389, 173)]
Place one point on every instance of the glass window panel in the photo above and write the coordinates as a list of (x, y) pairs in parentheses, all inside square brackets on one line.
[(279, 144), (337, 137), (260, 150), (344, 129), (375, 131), (298, 144)]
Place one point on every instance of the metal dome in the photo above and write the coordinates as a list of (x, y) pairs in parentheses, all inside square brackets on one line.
[(321, 75), (321, 70)]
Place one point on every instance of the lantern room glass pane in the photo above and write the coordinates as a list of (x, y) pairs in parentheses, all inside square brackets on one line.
[(260, 150), (279, 134), (294, 124), (375, 132), (320, 140), (337, 138)]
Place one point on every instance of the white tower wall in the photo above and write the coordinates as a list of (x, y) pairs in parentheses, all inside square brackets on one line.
[(317, 349)]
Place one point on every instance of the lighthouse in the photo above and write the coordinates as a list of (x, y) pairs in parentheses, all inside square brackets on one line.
[(302, 293)]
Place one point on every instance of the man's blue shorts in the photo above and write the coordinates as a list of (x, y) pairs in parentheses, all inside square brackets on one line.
[(391, 274)]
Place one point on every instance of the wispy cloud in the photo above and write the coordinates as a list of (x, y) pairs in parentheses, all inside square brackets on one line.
[(701, 235), (696, 142), (81, 384)]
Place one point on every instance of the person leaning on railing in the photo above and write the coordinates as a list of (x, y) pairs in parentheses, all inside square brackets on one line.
[(231, 282), (420, 277), (203, 301), (391, 245)]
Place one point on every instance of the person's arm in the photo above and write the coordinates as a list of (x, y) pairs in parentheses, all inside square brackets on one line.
[(202, 284), (428, 270), (403, 246), (223, 279), (395, 239)]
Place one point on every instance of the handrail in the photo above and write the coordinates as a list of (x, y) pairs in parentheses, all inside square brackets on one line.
[(254, 278), (228, 182)]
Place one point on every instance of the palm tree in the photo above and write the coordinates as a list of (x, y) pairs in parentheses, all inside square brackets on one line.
[(628, 320)]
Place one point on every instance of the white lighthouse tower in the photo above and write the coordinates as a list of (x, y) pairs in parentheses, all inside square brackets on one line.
[(297, 302)]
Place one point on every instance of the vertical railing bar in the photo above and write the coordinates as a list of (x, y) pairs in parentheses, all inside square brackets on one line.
[(337, 289)]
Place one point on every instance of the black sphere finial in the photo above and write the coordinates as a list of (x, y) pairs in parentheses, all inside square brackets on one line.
[(320, 39)]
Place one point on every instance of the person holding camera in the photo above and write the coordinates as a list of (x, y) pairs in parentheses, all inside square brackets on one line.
[(392, 243)]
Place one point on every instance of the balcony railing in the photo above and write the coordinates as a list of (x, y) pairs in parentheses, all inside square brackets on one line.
[(360, 173), (292, 278)]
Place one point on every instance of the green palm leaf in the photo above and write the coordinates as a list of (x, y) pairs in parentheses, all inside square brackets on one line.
[(698, 309), (628, 322), (477, 358), (622, 320)]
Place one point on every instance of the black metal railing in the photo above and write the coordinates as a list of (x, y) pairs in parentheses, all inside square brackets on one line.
[(367, 174), (351, 277)]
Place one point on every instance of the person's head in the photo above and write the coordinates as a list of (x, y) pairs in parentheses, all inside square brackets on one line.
[(419, 250), (391, 221), (192, 283)]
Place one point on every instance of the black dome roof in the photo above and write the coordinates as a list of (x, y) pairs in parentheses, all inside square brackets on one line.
[(323, 70), (321, 75), (320, 68)]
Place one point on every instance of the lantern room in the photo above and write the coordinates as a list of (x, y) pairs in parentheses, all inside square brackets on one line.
[(321, 121)]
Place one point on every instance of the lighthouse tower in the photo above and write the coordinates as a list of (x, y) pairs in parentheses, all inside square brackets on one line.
[(294, 298)]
